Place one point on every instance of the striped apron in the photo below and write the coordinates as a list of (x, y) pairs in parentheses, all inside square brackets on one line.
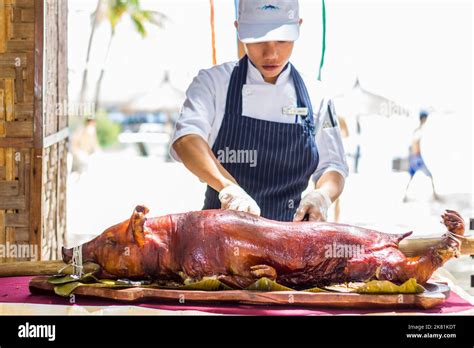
[(286, 153)]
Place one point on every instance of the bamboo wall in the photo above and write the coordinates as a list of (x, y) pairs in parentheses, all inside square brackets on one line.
[(33, 137)]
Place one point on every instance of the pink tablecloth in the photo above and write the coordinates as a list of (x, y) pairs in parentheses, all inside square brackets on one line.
[(15, 290)]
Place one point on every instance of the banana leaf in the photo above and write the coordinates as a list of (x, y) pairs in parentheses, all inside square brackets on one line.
[(387, 287), (206, 284), (345, 287), (265, 284), (315, 290), (86, 278), (114, 282), (66, 285), (62, 279), (68, 288)]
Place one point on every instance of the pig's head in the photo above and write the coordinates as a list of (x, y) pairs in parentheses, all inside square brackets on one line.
[(119, 250)]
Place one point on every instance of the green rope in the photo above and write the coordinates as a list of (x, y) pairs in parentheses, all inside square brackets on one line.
[(321, 64)]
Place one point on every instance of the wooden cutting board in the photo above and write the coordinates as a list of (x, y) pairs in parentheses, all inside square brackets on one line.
[(435, 295)]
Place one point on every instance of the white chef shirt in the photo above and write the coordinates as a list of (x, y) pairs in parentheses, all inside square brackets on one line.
[(204, 107)]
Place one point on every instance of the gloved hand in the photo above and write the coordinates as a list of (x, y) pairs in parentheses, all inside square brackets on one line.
[(315, 204), (235, 198)]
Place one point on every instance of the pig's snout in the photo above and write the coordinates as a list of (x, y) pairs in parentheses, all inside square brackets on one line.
[(67, 254)]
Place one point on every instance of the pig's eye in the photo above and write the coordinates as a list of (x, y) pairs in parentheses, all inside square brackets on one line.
[(110, 242)]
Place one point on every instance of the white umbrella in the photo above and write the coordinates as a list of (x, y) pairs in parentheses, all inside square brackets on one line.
[(359, 101), (162, 97)]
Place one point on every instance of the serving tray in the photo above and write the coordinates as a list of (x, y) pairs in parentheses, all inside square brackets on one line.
[(435, 295)]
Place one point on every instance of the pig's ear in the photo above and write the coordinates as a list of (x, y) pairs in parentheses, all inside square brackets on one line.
[(137, 222)]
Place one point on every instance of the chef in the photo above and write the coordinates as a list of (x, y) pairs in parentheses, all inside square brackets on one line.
[(256, 131)]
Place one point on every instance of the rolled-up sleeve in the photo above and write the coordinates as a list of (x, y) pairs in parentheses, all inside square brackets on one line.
[(198, 111), (329, 142)]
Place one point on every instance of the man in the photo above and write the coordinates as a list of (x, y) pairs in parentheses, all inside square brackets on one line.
[(255, 133), (416, 160)]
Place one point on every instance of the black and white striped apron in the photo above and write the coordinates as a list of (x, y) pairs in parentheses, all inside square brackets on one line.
[(287, 155)]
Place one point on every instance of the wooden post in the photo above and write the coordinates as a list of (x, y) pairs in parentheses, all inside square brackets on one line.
[(27, 268), (32, 155)]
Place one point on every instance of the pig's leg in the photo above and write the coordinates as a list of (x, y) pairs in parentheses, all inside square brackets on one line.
[(243, 281), (422, 267), (260, 271)]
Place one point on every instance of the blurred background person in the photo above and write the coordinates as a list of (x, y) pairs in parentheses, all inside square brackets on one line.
[(416, 159)]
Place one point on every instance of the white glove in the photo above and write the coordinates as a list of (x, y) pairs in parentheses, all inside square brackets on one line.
[(315, 204), (235, 198)]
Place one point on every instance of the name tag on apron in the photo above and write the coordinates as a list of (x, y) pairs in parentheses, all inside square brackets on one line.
[(293, 111)]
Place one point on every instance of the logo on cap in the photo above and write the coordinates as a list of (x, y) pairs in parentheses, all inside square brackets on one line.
[(268, 7)]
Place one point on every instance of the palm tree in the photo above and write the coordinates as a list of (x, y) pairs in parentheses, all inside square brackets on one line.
[(114, 11), (97, 18)]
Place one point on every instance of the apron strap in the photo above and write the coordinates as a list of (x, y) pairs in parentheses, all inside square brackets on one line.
[(304, 101), (234, 92)]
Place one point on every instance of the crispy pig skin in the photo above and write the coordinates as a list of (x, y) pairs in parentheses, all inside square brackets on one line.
[(239, 248)]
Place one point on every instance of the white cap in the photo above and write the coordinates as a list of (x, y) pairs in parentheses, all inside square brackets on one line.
[(268, 20)]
